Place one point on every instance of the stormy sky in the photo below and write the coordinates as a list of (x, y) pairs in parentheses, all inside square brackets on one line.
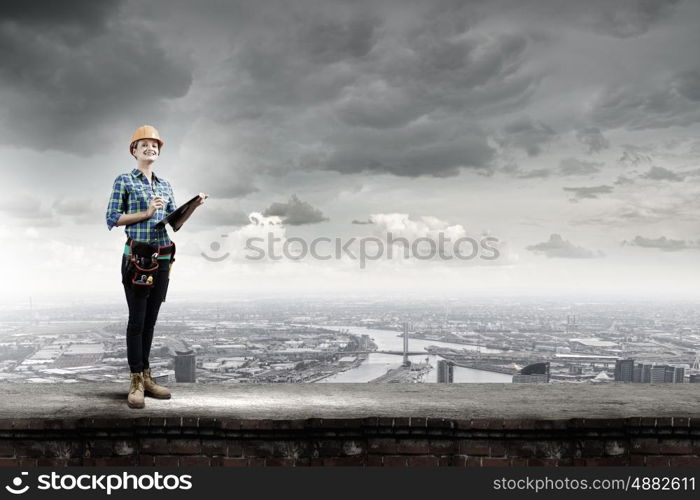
[(566, 130)]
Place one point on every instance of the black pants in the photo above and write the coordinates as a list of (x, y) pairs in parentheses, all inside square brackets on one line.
[(143, 313)]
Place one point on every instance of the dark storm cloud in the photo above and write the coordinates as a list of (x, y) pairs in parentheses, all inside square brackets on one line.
[(572, 166), (687, 84), (80, 14), (372, 91), (625, 18), (419, 149), (295, 58), (618, 19), (662, 243), (558, 247), (657, 104), (662, 174), (527, 135), (295, 212), (593, 139), (590, 192), (406, 88), (74, 72), (437, 70), (330, 41)]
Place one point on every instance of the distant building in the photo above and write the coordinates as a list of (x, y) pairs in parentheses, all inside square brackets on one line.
[(679, 375), (445, 372), (185, 366), (658, 374), (648, 373), (536, 373), (669, 374), (592, 346), (624, 370), (637, 373), (695, 378), (575, 369)]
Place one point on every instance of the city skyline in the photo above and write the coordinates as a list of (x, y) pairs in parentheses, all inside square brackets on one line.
[(359, 341)]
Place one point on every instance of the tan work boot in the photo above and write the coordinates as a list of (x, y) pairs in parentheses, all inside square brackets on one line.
[(135, 399), (152, 389)]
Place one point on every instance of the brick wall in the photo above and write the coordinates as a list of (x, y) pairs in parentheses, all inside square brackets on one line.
[(389, 442)]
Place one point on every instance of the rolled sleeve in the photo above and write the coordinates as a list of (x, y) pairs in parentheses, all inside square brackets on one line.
[(115, 207)]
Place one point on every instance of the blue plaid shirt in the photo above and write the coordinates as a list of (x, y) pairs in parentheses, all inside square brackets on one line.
[(132, 193)]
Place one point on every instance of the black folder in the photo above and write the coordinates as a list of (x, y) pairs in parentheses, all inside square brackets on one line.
[(173, 218)]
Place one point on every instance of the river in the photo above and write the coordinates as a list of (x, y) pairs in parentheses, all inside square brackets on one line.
[(377, 364)]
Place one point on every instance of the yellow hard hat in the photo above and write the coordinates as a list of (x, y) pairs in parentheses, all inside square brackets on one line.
[(146, 132)]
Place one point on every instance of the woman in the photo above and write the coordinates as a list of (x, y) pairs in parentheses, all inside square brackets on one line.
[(139, 200)]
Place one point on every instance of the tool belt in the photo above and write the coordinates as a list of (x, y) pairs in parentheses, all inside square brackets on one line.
[(142, 266)]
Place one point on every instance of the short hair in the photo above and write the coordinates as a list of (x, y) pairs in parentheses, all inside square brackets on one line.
[(132, 146)]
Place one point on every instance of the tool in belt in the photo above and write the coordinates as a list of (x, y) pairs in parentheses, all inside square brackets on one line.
[(142, 266)]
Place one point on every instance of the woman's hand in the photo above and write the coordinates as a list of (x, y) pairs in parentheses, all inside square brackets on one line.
[(202, 197), (156, 204)]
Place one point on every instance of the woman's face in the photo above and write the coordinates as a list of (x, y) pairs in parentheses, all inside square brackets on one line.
[(147, 150)]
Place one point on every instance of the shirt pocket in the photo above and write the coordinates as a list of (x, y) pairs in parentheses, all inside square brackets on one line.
[(141, 195)]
